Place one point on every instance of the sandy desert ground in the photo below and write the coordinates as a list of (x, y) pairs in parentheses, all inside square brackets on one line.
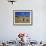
[(22, 19)]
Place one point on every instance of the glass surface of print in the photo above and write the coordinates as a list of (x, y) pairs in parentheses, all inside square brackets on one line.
[(23, 17)]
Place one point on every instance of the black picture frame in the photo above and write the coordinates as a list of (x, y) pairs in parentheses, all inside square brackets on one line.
[(27, 18)]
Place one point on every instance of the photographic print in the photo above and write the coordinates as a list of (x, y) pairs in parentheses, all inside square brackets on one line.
[(22, 17)]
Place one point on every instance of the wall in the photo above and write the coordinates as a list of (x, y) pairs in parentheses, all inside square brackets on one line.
[(9, 31)]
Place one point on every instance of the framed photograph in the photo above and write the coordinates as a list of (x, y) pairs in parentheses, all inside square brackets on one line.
[(22, 17)]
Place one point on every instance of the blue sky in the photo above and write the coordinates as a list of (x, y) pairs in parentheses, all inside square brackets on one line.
[(22, 13)]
